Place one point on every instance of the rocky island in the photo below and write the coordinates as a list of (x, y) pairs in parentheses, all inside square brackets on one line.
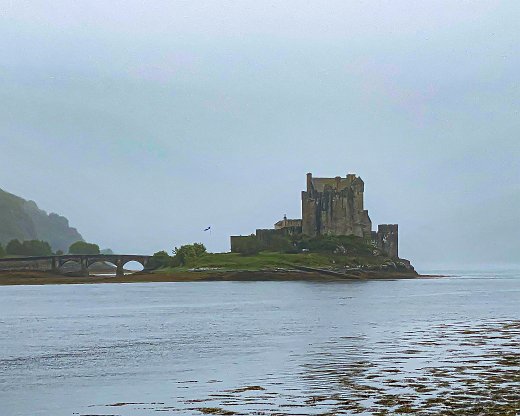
[(333, 239)]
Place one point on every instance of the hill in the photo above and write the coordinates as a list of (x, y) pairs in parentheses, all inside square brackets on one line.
[(23, 220)]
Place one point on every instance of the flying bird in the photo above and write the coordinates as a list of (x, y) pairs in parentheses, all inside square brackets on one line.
[(207, 229)]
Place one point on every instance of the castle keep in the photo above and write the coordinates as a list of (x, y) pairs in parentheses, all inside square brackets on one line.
[(335, 206), (332, 206)]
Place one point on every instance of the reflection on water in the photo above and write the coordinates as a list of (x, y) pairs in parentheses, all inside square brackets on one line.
[(444, 346)]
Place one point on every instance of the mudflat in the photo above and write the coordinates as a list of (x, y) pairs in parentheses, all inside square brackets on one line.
[(48, 278)]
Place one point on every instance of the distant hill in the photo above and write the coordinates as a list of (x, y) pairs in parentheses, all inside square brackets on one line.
[(23, 220)]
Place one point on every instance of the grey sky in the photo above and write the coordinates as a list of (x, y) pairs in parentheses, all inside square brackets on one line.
[(144, 122)]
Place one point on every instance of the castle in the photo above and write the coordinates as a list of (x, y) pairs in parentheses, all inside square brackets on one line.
[(331, 206)]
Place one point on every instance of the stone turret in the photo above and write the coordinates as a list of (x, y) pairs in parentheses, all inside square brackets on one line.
[(387, 239)]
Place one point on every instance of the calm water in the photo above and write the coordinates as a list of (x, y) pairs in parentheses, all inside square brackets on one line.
[(273, 348)]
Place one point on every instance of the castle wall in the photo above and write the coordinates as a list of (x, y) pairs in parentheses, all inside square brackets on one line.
[(268, 238), (309, 215), (239, 243), (265, 236)]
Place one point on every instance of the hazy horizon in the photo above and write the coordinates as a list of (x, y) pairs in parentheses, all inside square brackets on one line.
[(145, 124)]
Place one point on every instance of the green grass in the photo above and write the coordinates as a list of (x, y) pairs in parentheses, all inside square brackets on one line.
[(271, 260)]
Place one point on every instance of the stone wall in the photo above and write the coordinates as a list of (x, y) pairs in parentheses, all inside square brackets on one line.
[(268, 238)]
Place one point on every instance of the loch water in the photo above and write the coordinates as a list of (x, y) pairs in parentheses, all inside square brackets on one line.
[(447, 345)]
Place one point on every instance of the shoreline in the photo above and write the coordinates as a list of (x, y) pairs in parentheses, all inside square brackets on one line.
[(15, 278)]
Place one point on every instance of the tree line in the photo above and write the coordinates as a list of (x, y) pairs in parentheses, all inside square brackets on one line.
[(180, 255), (30, 248)]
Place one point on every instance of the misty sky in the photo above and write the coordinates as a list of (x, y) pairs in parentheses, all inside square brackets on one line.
[(144, 122)]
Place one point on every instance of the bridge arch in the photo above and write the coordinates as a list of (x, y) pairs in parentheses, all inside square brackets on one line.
[(71, 265), (95, 260), (69, 261), (109, 270), (134, 265)]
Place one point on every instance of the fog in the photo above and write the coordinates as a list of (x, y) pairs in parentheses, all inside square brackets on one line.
[(146, 122)]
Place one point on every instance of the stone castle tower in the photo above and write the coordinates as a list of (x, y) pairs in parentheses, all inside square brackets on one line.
[(334, 206)]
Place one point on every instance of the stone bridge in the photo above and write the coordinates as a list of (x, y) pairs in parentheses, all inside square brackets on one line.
[(56, 263)]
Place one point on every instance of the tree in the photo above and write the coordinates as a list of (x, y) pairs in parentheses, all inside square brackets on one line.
[(29, 248), (59, 253), (14, 247), (36, 248), (182, 254), (159, 259), (82, 247), (2, 251)]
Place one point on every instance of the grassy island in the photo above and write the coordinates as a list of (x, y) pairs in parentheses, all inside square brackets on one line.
[(275, 261), (330, 257), (323, 258)]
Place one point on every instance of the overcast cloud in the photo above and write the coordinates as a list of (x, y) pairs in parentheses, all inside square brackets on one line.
[(144, 122)]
